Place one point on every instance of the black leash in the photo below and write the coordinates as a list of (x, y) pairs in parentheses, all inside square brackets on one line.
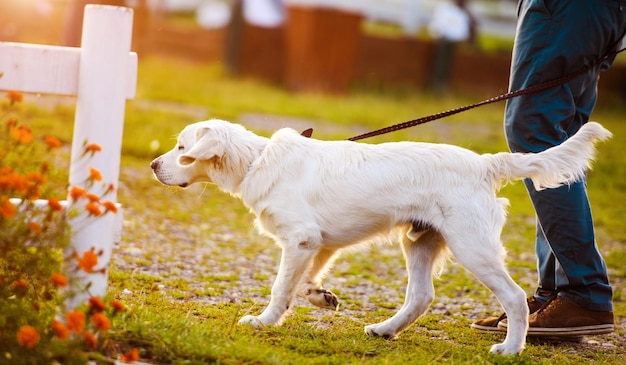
[(509, 95)]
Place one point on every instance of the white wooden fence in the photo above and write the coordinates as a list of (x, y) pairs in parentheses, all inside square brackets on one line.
[(102, 74)]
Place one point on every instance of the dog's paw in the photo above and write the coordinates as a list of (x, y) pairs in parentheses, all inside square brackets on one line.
[(322, 298), (505, 349), (252, 321), (380, 330)]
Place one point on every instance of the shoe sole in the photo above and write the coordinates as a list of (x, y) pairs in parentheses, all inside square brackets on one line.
[(568, 332), (557, 338), (554, 338), (576, 331), (490, 329), (544, 337)]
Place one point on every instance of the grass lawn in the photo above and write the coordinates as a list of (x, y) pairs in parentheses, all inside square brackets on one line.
[(190, 264)]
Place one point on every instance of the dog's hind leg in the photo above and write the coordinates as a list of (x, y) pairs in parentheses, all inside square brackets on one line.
[(422, 250), (484, 258), (311, 289)]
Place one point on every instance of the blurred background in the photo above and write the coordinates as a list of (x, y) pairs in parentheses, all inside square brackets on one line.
[(304, 45)]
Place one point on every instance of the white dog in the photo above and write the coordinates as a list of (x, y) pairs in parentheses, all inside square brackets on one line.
[(316, 197)]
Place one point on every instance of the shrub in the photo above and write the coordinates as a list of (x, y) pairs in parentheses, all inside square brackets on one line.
[(36, 326)]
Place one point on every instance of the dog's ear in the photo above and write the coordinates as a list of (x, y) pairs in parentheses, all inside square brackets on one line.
[(208, 145)]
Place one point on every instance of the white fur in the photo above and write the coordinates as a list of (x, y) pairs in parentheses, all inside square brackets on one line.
[(316, 197)]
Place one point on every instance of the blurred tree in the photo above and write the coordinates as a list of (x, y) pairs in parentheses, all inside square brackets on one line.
[(73, 22)]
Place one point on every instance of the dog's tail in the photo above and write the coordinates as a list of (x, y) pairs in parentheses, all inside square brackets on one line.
[(559, 165)]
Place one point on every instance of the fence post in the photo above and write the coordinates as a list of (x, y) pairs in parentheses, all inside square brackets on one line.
[(99, 119)]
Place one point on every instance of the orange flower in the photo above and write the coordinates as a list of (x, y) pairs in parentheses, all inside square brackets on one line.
[(55, 204), (12, 122), (93, 148), (88, 261), (93, 209), (34, 193), (118, 306), (96, 304), (19, 284), (77, 193), (34, 227), (60, 330), (52, 142), (110, 189), (7, 209), (12, 180), (101, 322), (28, 336), (92, 197), (110, 206), (37, 178), (130, 356), (75, 321), (15, 96), (22, 134), (91, 340), (58, 279), (94, 174), (20, 288)]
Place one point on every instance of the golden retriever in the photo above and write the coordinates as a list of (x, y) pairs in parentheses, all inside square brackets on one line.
[(316, 197)]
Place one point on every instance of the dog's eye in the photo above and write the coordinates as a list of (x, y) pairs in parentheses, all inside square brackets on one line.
[(181, 147)]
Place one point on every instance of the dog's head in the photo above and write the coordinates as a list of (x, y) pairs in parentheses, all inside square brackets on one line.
[(211, 151)]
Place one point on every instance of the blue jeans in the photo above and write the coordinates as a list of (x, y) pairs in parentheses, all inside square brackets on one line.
[(555, 38)]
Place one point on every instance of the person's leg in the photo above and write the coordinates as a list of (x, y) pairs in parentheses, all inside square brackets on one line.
[(570, 262), (444, 50), (548, 268), (555, 38), (578, 271)]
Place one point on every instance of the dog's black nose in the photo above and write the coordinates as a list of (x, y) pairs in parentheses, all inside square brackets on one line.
[(154, 164)]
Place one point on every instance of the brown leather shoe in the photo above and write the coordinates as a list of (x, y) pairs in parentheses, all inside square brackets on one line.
[(562, 317), (490, 324)]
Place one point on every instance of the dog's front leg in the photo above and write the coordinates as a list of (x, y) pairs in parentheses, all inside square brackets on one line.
[(294, 262)]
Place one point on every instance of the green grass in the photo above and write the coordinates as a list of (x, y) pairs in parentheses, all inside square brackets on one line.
[(174, 316)]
